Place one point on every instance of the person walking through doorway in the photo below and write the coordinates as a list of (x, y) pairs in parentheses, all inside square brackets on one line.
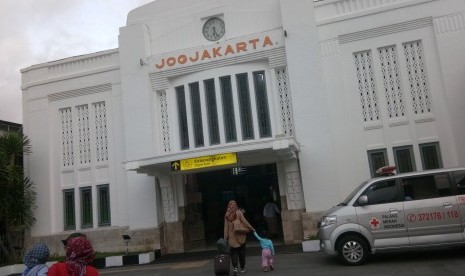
[(235, 240), (270, 212)]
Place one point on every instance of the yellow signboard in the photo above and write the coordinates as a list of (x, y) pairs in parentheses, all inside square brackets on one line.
[(204, 162)]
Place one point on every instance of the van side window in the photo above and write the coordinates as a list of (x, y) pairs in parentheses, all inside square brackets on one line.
[(459, 180), (427, 186), (382, 192)]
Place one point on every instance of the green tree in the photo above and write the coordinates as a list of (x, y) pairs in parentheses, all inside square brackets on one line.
[(17, 194)]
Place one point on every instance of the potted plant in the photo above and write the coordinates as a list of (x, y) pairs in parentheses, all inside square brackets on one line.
[(311, 243)]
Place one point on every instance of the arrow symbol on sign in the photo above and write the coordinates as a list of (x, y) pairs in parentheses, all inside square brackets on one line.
[(175, 166)]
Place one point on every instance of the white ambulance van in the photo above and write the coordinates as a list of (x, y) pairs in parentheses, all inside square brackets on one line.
[(404, 211)]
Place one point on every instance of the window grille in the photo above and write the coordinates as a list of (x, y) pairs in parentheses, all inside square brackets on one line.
[(212, 113), (86, 207), (377, 159), (103, 205), (165, 127), (404, 158), (417, 77), (182, 117), (430, 156), (285, 101), (69, 210), (101, 132), (392, 82), (196, 110), (366, 86), (83, 133), (261, 99), (67, 136), (228, 109), (245, 106)]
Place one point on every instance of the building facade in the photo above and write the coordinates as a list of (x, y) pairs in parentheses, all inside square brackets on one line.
[(206, 101), (6, 126)]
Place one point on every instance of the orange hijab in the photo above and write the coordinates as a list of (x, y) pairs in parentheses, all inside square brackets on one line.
[(231, 211)]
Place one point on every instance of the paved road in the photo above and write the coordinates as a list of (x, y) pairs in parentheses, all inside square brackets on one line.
[(433, 262)]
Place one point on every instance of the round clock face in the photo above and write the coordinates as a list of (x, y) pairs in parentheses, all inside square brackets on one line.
[(213, 29)]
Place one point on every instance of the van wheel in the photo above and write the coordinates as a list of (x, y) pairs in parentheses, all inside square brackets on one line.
[(353, 250)]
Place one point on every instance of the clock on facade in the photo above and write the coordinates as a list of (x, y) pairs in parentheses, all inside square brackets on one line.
[(213, 29)]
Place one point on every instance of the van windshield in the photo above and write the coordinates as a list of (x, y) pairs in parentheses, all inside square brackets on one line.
[(352, 194)]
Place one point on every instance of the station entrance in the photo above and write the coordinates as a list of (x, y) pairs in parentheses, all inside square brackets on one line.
[(208, 194)]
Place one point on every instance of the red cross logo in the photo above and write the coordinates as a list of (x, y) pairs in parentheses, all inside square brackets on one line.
[(374, 223)]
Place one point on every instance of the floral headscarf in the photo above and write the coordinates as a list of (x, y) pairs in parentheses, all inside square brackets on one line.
[(38, 254), (79, 253), (231, 210)]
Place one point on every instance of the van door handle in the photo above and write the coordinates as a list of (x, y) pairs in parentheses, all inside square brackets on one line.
[(447, 204), (393, 210)]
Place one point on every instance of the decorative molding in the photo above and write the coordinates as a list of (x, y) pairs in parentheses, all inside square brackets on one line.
[(82, 64), (329, 47), (276, 58), (332, 11), (386, 30), (70, 68), (79, 92), (449, 23)]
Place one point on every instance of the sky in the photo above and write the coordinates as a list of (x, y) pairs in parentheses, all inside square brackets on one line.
[(38, 31)]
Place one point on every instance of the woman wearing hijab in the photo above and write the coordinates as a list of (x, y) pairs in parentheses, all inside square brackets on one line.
[(236, 241), (35, 260), (79, 254)]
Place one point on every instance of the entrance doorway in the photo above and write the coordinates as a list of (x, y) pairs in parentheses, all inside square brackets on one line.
[(209, 193)]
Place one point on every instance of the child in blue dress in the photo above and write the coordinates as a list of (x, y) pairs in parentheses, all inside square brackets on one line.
[(267, 250)]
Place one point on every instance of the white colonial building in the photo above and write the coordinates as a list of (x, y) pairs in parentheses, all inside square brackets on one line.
[(210, 100)]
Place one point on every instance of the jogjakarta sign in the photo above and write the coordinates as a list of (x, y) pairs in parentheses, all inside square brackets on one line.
[(228, 49)]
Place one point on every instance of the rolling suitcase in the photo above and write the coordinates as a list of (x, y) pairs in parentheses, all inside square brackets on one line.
[(222, 264)]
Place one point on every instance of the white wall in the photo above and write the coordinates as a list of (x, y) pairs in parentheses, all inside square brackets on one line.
[(310, 104), (363, 27)]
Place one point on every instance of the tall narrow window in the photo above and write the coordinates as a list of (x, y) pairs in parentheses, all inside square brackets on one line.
[(263, 113), (377, 159), (196, 114), (285, 101), (103, 205), (212, 112), (67, 136), (69, 210), (228, 109), (84, 133), (366, 86), (86, 207), (417, 77), (164, 120), (392, 82), (405, 161), (101, 133), (430, 156), (245, 109), (182, 115)]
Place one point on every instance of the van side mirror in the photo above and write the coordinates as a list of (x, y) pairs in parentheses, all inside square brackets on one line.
[(362, 200)]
